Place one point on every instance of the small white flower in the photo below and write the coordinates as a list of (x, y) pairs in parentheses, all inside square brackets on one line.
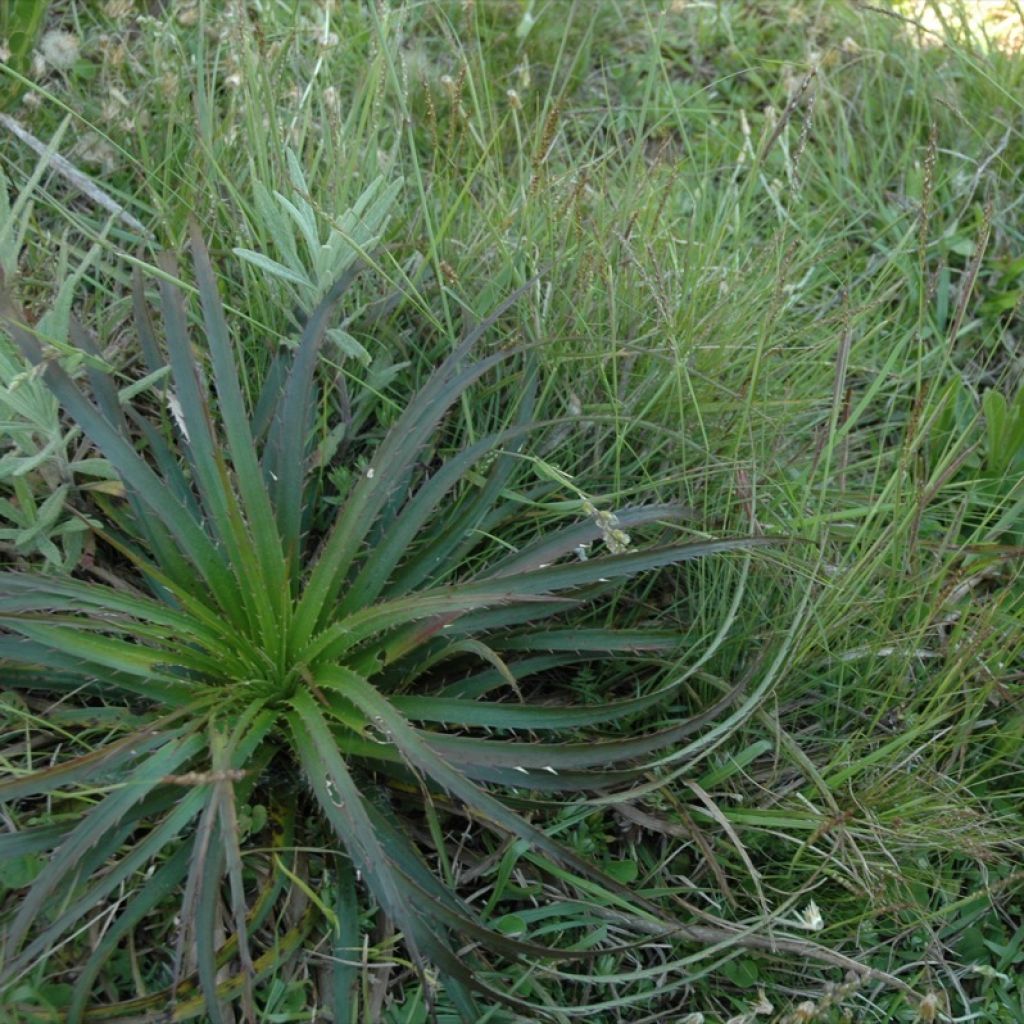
[(59, 49), (523, 74), (809, 919), (762, 1006), (369, 473)]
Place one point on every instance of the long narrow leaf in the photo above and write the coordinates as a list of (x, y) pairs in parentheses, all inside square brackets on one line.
[(233, 415), (287, 444), (343, 805), (131, 467), (157, 888), (396, 452), (93, 766), (368, 497), (218, 496), (376, 569), (140, 782)]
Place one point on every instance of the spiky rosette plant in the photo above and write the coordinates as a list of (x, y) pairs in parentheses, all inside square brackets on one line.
[(249, 632)]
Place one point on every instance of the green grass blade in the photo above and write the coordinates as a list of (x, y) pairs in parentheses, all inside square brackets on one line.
[(544, 756), (555, 578), (486, 807), (390, 463), (558, 544), (31, 593), (379, 618), (603, 641), (343, 805), (207, 904), (145, 851), (88, 767), (38, 839), (459, 533), (95, 654), (523, 587), (346, 947)]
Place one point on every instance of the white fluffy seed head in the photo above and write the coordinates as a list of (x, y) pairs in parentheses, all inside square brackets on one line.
[(60, 49)]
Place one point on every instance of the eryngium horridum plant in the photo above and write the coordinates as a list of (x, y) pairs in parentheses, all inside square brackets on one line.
[(249, 638)]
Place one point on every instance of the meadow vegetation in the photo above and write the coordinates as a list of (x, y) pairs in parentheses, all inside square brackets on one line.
[(572, 449)]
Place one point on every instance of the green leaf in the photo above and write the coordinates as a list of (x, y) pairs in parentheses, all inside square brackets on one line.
[(112, 756), (342, 803), (417, 753), (550, 757), (258, 509), (131, 467), (135, 909), (93, 826), (131, 862), (217, 494), (389, 465), (286, 453), (624, 871), (19, 870), (272, 267)]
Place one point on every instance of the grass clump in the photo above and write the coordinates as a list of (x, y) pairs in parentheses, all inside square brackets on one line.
[(254, 628), (774, 284)]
